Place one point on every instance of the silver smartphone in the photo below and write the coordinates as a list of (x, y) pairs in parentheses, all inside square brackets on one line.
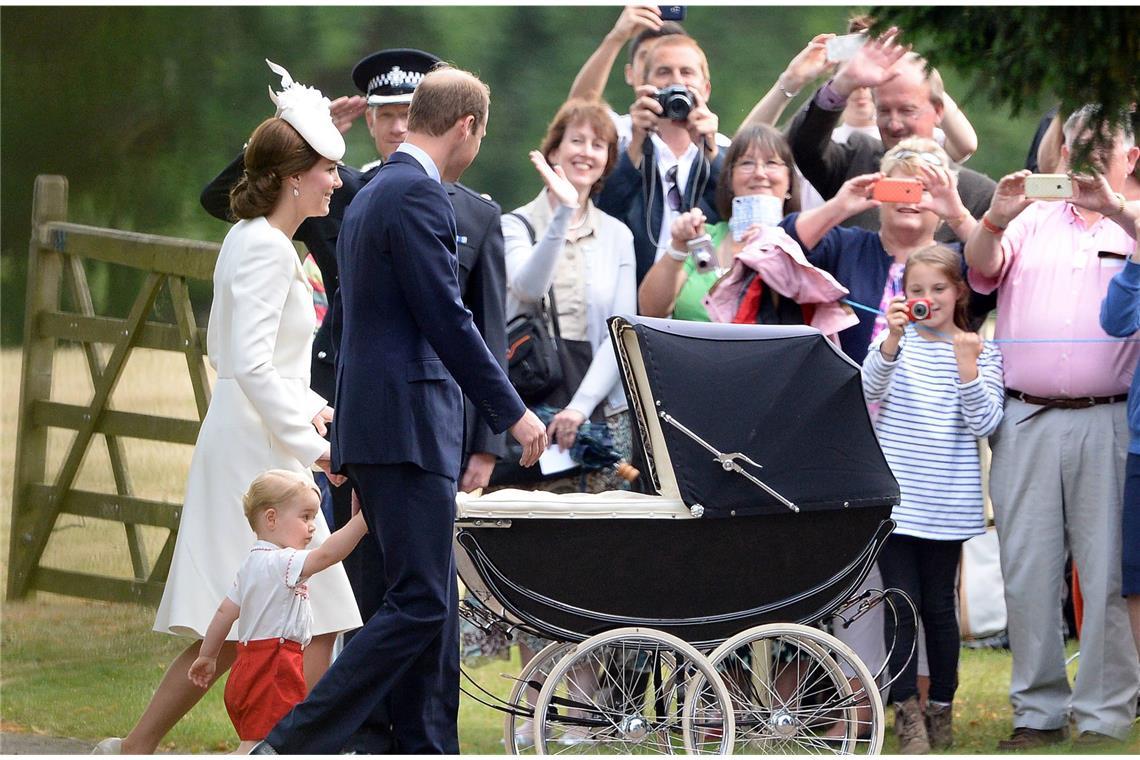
[(844, 47), (1048, 186)]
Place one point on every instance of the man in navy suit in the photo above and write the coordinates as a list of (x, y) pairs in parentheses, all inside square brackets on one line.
[(407, 346)]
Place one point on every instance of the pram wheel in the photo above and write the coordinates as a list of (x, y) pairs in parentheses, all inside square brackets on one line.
[(522, 698), (630, 691), (798, 690)]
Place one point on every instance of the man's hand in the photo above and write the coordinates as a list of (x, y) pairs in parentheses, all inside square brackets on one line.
[(347, 109), (702, 125), (564, 428), (645, 119), (633, 19), (872, 65), (531, 433), (555, 179), (1009, 198), (324, 461), (322, 420), (1092, 192), (478, 472)]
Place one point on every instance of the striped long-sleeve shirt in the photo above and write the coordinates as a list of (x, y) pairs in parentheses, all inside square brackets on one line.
[(927, 425)]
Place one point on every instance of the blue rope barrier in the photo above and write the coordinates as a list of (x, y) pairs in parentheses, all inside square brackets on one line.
[(946, 337)]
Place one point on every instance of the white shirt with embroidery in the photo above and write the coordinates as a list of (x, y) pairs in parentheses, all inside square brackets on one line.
[(272, 595)]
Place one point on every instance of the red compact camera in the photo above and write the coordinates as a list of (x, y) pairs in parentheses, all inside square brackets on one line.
[(918, 309)]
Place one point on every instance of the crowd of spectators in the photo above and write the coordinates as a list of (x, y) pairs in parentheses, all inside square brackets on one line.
[(807, 189)]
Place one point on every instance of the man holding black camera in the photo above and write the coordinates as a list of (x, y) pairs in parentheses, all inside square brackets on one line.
[(673, 160)]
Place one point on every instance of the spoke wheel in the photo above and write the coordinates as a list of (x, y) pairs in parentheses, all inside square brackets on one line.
[(523, 697), (633, 691), (797, 690)]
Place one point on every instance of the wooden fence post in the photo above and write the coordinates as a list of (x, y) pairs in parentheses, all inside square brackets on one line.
[(45, 270)]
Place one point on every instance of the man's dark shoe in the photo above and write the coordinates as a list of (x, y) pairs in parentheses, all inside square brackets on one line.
[(1031, 738), (262, 748), (1095, 739)]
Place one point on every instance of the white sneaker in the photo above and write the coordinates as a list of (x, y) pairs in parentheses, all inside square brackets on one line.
[(111, 746)]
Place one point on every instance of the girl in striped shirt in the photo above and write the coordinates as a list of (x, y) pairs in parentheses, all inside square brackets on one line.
[(939, 389)]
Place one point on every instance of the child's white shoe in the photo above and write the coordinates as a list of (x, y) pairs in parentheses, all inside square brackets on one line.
[(111, 746)]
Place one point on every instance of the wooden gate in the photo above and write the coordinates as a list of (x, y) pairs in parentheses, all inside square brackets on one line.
[(56, 256)]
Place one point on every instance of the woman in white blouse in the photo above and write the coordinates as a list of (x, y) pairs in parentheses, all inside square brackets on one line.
[(587, 257)]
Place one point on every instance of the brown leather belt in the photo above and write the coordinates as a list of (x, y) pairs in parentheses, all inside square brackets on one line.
[(1081, 402)]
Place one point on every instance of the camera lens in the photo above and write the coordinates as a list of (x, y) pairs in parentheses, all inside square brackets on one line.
[(919, 311)]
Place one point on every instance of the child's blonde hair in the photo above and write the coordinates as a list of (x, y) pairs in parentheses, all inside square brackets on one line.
[(273, 488)]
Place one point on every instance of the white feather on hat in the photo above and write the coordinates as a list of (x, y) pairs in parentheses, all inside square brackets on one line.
[(307, 110)]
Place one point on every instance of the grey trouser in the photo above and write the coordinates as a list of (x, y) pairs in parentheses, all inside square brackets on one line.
[(1057, 480)]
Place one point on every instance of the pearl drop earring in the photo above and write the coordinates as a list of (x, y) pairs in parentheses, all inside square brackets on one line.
[(296, 193)]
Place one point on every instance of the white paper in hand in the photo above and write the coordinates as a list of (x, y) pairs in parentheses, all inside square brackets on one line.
[(553, 460)]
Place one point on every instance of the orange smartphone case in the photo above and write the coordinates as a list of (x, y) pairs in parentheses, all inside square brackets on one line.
[(892, 190)]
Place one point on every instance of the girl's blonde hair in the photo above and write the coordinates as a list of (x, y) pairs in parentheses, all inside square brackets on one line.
[(273, 488), (949, 264)]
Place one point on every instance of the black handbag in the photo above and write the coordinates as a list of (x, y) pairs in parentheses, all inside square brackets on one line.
[(533, 363)]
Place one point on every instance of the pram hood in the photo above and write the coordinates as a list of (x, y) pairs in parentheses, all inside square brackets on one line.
[(783, 396)]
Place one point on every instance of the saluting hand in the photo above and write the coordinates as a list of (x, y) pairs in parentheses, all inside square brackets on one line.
[(347, 109)]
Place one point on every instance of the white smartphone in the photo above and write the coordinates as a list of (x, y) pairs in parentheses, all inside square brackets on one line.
[(1048, 186), (844, 47)]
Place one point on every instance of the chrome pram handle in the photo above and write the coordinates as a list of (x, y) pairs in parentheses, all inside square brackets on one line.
[(728, 461)]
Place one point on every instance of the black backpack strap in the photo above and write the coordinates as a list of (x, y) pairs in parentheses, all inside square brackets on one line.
[(551, 310)]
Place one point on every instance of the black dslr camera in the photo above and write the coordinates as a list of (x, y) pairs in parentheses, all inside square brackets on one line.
[(676, 102)]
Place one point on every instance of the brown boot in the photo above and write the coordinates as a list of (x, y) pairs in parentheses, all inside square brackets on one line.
[(911, 728), (939, 728)]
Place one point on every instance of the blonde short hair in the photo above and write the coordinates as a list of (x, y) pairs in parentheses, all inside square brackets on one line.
[(273, 488), (912, 153), (676, 40)]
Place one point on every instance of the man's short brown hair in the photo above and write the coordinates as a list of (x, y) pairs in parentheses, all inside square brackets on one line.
[(678, 40), (444, 96)]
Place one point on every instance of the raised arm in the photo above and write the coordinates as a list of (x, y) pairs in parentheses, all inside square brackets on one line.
[(807, 66), (853, 197), (591, 80), (336, 547), (657, 295), (961, 139), (983, 250)]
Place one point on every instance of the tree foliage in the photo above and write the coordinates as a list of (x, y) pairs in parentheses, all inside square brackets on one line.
[(1017, 55)]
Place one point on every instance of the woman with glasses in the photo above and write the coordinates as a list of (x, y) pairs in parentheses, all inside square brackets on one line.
[(870, 264), (758, 163)]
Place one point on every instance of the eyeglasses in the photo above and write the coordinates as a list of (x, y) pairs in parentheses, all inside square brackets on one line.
[(922, 155), (673, 195), (748, 166)]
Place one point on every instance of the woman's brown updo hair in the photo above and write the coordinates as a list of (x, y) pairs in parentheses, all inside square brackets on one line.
[(276, 150)]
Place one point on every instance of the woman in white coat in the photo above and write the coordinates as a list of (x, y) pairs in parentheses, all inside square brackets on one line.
[(262, 414)]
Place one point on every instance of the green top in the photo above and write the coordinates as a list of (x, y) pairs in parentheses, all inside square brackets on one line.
[(697, 284)]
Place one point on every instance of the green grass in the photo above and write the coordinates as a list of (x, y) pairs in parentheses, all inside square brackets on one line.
[(86, 670)]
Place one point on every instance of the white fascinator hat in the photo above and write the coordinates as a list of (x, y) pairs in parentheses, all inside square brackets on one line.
[(307, 110)]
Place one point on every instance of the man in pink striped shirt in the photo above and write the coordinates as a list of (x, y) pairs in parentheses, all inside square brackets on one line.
[(1059, 455)]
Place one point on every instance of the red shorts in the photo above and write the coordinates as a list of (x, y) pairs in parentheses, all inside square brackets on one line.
[(266, 680)]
